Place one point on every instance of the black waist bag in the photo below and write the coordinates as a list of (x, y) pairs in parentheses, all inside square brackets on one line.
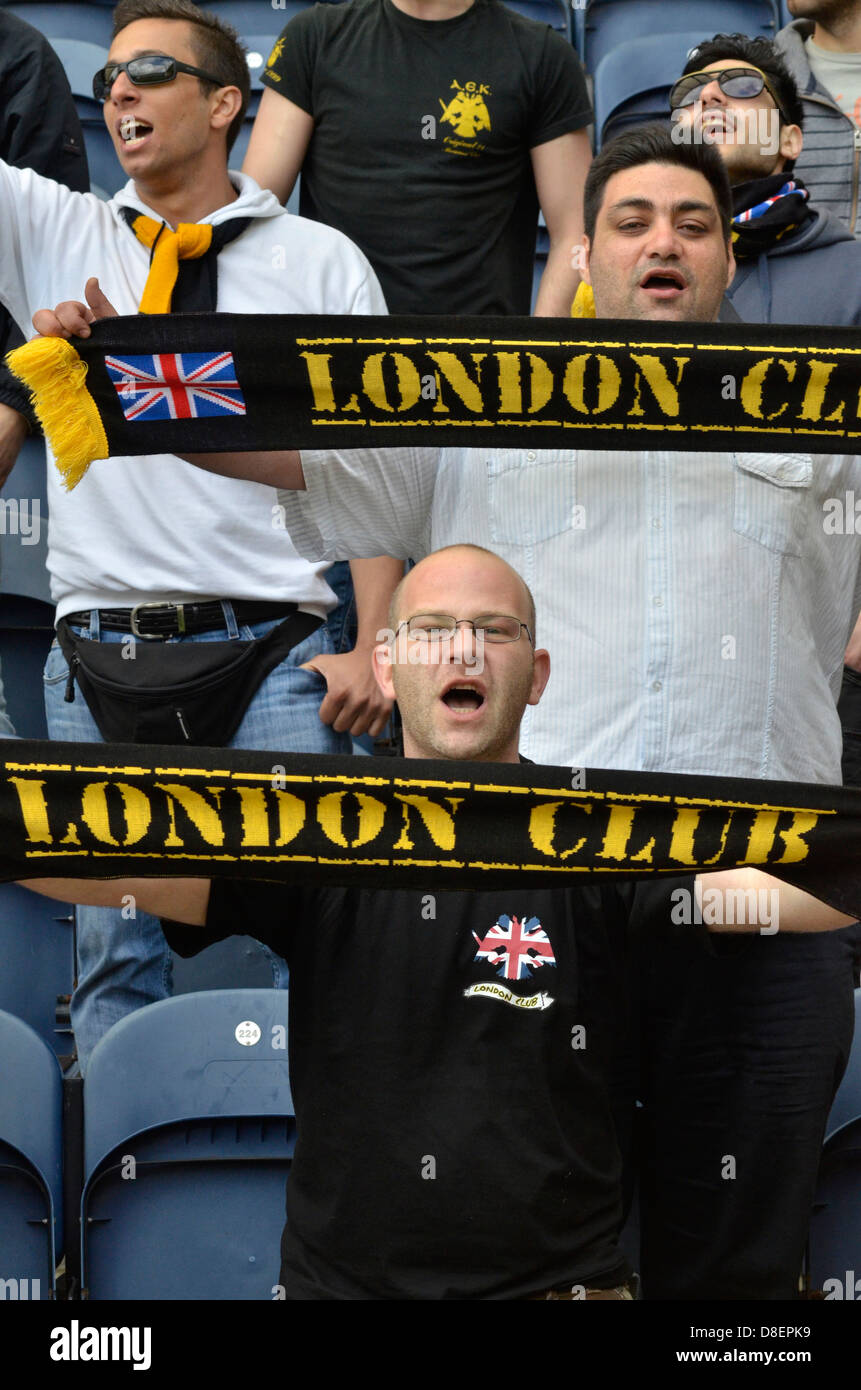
[(194, 692)]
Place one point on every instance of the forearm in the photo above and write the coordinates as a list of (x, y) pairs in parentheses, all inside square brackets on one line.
[(180, 899), (560, 280), (275, 468), (748, 900), (374, 582)]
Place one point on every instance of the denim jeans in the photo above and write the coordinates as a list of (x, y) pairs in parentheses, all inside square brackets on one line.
[(126, 963)]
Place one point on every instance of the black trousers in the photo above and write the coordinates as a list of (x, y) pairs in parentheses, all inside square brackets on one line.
[(743, 1042), (740, 1043)]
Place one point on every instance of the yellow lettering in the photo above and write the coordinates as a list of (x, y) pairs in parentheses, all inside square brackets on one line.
[(510, 392), (136, 808), (330, 814), (617, 836), (291, 817), (438, 822), (255, 821), (374, 383), (574, 383), (455, 373), (34, 808), (542, 829), (663, 390), (754, 383), (814, 395), (205, 818), (794, 846), (685, 827)]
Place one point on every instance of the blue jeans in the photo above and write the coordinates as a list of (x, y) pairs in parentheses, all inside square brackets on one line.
[(125, 963)]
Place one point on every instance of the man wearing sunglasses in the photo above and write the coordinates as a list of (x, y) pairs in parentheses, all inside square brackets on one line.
[(133, 555), (795, 263)]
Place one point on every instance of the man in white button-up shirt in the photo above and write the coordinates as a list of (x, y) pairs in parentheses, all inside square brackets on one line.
[(698, 610)]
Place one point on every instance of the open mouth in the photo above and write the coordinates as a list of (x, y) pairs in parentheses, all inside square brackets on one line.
[(133, 131), (463, 699), (663, 283)]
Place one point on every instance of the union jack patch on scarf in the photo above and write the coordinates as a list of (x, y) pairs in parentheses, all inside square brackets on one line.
[(176, 385)]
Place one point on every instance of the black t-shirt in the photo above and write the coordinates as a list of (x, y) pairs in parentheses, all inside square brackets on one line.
[(449, 1061), (420, 149)]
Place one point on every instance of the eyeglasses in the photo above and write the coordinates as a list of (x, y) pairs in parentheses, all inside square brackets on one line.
[(492, 627), (741, 83), (146, 72)]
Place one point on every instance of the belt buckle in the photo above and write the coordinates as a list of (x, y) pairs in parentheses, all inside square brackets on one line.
[(179, 609)]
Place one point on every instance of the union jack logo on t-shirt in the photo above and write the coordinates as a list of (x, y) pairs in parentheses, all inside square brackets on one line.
[(176, 385), (517, 947)]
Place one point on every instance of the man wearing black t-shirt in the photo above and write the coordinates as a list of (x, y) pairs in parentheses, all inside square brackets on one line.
[(448, 1053), (429, 131)]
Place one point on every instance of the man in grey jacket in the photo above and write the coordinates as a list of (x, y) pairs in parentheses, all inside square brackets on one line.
[(795, 262), (822, 49)]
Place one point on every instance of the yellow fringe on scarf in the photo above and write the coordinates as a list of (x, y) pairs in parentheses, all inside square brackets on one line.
[(584, 302), (56, 378)]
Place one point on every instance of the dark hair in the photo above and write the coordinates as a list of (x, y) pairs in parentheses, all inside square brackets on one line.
[(653, 144), (760, 53), (216, 45)]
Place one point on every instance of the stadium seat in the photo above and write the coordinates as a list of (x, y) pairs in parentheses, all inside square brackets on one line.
[(846, 1109), (26, 633), (37, 961), (632, 83), (31, 1168), (237, 963), (189, 1135), (605, 24), (24, 525), (257, 16), (80, 60), (835, 1227), (64, 20), (785, 16), (552, 12)]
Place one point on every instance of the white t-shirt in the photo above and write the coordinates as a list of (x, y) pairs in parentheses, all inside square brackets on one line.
[(153, 527)]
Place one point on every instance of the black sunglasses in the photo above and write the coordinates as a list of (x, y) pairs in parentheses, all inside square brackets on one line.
[(741, 83), (146, 72)]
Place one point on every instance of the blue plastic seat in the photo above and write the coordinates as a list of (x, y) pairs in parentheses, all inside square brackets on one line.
[(785, 16), (31, 1163), (632, 83), (257, 16), (835, 1227), (80, 60), (552, 12), (24, 537), (189, 1136), (91, 22), (37, 959), (607, 23), (846, 1109), (26, 633)]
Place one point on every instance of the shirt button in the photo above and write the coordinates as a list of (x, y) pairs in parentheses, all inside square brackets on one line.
[(657, 601), (531, 456), (657, 523), (657, 685)]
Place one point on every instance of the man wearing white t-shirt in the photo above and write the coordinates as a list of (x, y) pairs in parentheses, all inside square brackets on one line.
[(151, 549)]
